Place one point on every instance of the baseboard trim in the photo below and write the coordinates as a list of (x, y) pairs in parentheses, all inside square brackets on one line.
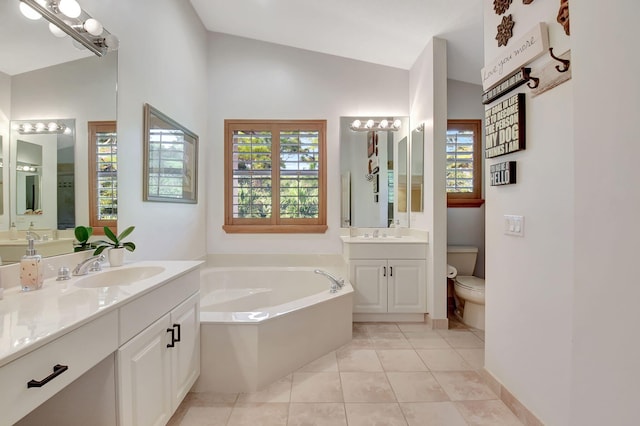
[(517, 407)]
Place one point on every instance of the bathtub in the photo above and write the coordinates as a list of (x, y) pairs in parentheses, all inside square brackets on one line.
[(260, 324)]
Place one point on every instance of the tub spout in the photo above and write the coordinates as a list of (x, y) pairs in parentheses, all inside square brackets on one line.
[(336, 283)]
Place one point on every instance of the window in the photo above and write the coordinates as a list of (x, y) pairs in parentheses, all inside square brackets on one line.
[(275, 176), (464, 163), (103, 174)]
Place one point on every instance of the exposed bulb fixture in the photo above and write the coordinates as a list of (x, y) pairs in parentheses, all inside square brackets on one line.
[(370, 124), (93, 27), (41, 127), (356, 124), (29, 13), (56, 31), (384, 124), (397, 123), (70, 8)]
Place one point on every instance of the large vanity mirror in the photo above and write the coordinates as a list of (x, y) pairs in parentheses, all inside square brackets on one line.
[(49, 91), (373, 168)]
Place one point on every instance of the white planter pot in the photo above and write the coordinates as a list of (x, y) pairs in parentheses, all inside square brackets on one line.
[(116, 256)]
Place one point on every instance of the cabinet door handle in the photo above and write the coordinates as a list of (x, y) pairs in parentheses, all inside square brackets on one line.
[(58, 369), (177, 327), (173, 337), (384, 271), (390, 271)]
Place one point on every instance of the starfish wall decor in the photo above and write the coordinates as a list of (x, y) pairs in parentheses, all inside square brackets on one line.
[(501, 6)]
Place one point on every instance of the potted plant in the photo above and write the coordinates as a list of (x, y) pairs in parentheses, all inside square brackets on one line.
[(115, 245), (82, 234)]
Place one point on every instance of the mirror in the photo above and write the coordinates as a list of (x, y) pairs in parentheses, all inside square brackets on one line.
[(417, 169), (46, 79), (373, 165)]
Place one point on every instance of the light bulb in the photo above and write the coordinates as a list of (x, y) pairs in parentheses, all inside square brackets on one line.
[(384, 124), (52, 127), (27, 127), (397, 123), (67, 130), (93, 27), (369, 124), (56, 31), (29, 12), (356, 124), (71, 8), (40, 127)]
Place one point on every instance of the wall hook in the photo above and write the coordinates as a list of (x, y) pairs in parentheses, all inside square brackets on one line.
[(526, 74), (565, 62)]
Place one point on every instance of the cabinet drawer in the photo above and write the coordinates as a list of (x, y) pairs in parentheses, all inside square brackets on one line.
[(78, 351)]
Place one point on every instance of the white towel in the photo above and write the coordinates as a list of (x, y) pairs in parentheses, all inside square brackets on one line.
[(451, 272)]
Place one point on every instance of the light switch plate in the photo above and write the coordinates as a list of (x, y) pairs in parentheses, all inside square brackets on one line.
[(514, 225)]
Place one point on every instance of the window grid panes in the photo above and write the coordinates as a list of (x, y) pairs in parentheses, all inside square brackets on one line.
[(167, 163), (299, 154), (251, 185), (460, 161), (107, 175)]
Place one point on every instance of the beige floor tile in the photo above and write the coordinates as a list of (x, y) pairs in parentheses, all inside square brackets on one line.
[(212, 415), (360, 342), (487, 413), (327, 363), (443, 360), (316, 387), (278, 391), (356, 359), (263, 414), (432, 414), (416, 386), (388, 414), (415, 327), (317, 414), (463, 385), (366, 387), (479, 333), (475, 357), (390, 340), (464, 340), (208, 398), (427, 341), (400, 360), (375, 328)]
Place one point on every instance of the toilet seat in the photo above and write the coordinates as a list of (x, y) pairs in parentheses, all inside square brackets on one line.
[(471, 283)]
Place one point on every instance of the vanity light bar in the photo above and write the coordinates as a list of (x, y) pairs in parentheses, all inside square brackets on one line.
[(79, 28), (358, 126), (40, 127)]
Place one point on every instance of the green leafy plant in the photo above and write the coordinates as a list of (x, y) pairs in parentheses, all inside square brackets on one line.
[(115, 241), (82, 234)]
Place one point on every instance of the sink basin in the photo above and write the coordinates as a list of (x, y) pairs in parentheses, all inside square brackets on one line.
[(116, 277)]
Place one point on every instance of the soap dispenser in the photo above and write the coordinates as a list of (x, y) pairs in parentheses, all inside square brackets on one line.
[(13, 231), (31, 269)]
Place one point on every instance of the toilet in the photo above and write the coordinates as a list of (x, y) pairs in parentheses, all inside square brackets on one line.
[(468, 288)]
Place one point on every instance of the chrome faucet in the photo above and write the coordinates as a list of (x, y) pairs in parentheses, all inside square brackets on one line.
[(89, 264), (336, 283), (376, 233), (33, 235)]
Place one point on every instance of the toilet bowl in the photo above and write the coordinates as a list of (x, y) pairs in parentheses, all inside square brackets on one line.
[(467, 288), (471, 290)]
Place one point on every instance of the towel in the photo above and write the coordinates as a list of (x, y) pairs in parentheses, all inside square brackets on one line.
[(451, 272)]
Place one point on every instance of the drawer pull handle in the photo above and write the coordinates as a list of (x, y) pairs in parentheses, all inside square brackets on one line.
[(177, 327), (390, 271), (173, 338), (58, 369), (384, 271)]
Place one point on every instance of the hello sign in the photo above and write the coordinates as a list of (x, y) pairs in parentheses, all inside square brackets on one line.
[(504, 127)]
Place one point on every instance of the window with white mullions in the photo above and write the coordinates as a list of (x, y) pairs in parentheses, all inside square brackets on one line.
[(464, 163)]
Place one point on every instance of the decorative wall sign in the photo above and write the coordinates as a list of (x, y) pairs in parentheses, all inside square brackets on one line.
[(513, 81), (526, 49), (505, 30), (504, 127), (563, 16), (503, 173), (501, 6)]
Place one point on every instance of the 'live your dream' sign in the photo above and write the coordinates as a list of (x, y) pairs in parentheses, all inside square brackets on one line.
[(504, 127)]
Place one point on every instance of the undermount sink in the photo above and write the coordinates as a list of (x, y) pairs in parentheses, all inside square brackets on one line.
[(117, 277)]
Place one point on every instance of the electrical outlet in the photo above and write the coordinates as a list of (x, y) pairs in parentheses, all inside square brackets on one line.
[(514, 225)]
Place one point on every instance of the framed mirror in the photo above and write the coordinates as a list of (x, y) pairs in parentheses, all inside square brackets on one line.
[(170, 159), (416, 183)]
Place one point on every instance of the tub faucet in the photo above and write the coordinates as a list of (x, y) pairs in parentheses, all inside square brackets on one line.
[(89, 264), (336, 283)]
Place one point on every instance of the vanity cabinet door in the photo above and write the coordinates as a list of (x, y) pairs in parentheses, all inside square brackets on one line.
[(185, 354), (369, 281), (407, 287), (144, 377)]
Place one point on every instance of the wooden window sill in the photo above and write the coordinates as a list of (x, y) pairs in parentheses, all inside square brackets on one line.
[(465, 202), (275, 229)]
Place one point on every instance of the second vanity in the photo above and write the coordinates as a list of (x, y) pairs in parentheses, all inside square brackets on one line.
[(388, 275), (142, 330)]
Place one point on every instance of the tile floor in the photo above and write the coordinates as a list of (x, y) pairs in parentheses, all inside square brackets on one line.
[(390, 374)]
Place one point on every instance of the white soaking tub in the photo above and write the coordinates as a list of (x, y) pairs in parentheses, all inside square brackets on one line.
[(260, 324)]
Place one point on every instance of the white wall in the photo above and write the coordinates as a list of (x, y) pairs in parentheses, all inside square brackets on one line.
[(604, 361), (529, 280), (162, 61), (428, 99), (465, 226), (252, 79), (5, 115)]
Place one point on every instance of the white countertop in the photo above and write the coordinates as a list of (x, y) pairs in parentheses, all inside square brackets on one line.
[(29, 320), (383, 240)]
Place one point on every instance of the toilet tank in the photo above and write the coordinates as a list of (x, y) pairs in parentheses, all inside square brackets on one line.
[(463, 258)]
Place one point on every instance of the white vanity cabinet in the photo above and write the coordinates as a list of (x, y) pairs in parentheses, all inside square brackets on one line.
[(157, 367), (388, 277)]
